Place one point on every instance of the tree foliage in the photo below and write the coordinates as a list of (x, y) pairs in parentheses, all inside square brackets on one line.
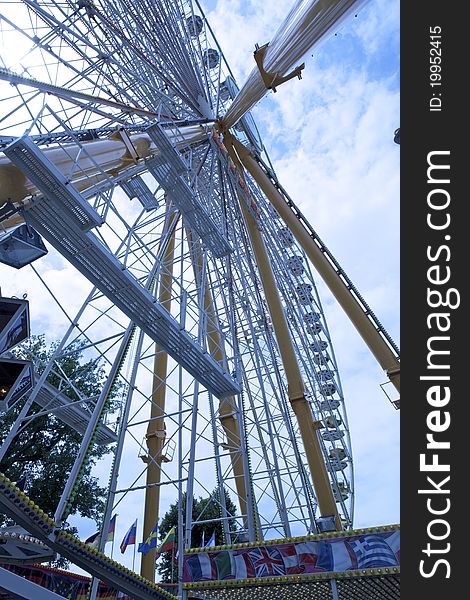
[(204, 509), (44, 451)]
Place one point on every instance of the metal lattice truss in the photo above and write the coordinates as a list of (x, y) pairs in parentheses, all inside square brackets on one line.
[(106, 124)]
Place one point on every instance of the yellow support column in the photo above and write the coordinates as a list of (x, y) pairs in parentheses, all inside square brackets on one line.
[(352, 308), (227, 406), (296, 392), (156, 431)]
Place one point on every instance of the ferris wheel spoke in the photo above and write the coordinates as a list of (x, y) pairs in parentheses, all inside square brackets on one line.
[(306, 24), (70, 94), (171, 63), (120, 97), (82, 45)]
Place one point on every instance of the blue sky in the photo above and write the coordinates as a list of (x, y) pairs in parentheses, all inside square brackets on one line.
[(330, 138)]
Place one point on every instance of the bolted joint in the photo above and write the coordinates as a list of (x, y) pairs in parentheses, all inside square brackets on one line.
[(272, 80)]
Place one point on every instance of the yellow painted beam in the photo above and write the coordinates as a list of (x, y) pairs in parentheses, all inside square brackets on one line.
[(227, 406), (296, 392), (379, 348), (102, 158), (156, 430)]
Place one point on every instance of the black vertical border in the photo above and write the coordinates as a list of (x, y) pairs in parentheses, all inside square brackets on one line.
[(423, 131)]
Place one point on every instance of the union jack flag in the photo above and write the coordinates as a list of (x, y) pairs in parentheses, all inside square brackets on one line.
[(267, 561)]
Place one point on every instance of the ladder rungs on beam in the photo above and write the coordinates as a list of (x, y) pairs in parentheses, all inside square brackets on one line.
[(84, 251), (168, 167)]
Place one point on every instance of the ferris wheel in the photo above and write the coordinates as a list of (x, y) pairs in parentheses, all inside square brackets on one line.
[(130, 150)]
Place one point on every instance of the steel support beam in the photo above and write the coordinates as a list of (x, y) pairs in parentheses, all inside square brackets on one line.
[(168, 167), (379, 348), (19, 587), (70, 412), (296, 392), (22, 510), (156, 429), (227, 407)]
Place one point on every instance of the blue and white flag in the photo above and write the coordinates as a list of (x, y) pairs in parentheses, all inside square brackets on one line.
[(211, 541), (372, 551), (150, 542)]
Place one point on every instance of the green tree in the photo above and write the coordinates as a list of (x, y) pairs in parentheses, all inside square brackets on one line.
[(45, 450), (204, 509)]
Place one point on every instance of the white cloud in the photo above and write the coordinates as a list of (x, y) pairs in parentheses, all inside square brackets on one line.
[(330, 137), (240, 25)]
